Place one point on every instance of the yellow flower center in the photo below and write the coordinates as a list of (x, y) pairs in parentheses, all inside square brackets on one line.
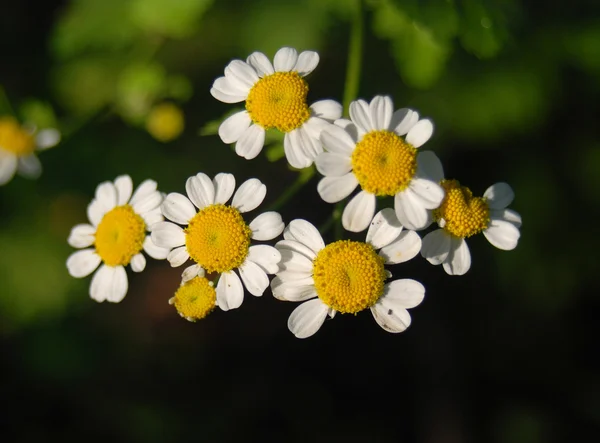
[(195, 299), (14, 139), (349, 276), (165, 122), (120, 235), (384, 163), (462, 215), (279, 101), (218, 239)]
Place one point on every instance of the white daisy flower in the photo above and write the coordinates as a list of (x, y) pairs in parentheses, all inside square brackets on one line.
[(217, 238), (17, 149), (275, 96), (377, 150), (196, 296), (461, 215), (117, 236), (347, 276)]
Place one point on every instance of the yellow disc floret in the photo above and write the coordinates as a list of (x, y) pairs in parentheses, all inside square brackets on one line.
[(120, 235), (195, 299), (165, 122), (279, 101), (14, 139), (383, 163), (217, 238), (461, 214), (349, 276)]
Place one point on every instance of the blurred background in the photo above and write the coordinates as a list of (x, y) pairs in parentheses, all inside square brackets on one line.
[(504, 354)]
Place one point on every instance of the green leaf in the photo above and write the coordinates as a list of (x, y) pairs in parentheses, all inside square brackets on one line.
[(484, 30), (38, 112)]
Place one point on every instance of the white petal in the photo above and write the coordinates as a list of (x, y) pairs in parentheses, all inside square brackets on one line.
[(358, 213), (381, 109), (250, 142), (265, 256), (502, 234), (458, 261), (410, 211), (8, 167), (124, 187), (307, 62), (241, 75), (266, 226), (95, 212), (499, 195), (178, 208), (226, 98), (404, 293), (254, 278), (307, 318), (191, 272), (152, 217), (295, 262), (138, 263), (261, 63), (402, 120), (230, 292), (420, 133), (156, 252), (429, 193), (109, 283), (436, 246), (149, 203), (306, 233), (167, 235), (200, 190), (178, 256), (403, 249), (314, 126), (285, 59), (429, 166), (294, 290), (249, 195), (47, 138), (326, 109), (334, 189), (224, 186), (349, 127), (106, 195), (508, 215), (82, 263), (384, 228), (82, 236), (230, 88), (361, 115), (294, 245), (331, 164), (145, 188), (234, 126), (337, 140), (294, 154), (390, 319), (29, 166)]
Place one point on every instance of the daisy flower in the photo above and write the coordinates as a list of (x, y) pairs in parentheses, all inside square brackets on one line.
[(275, 96), (377, 150), (196, 297), (116, 236), (462, 215), (347, 276), (17, 149), (217, 238)]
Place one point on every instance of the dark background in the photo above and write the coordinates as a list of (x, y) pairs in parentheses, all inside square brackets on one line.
[(506, 353)]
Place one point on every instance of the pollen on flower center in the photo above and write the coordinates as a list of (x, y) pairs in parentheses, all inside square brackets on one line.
[(14, 139), (217, 238), (461, 214), (195, 299), (349, 276), (120, 235), (279, 101), (384, 163)]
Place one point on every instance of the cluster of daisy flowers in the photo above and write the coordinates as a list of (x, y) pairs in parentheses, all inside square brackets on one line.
[(377, 152)]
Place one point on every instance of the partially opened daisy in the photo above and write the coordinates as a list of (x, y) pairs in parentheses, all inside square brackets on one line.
[(377, 150), (217, 238), (462, 215), (18, 145), (275, 96), (196, 296), (347, 276), (116, 236)]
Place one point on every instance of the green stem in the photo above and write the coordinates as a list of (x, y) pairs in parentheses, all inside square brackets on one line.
[(303, 177), (355, 51), (5, 102)]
